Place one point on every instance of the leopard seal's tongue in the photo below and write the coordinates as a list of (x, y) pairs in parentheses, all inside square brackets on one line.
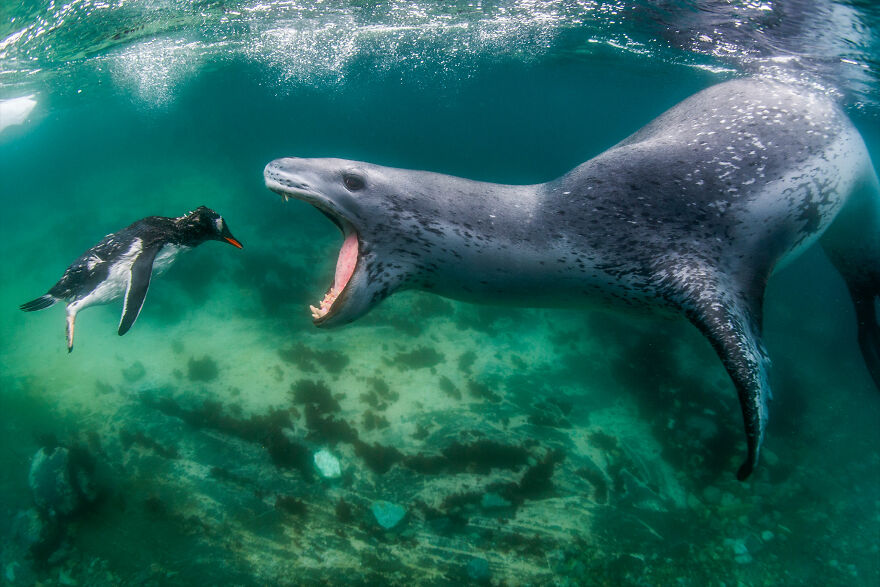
[(345, 265)]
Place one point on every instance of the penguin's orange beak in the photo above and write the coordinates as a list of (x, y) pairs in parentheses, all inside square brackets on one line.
[(227, 236)]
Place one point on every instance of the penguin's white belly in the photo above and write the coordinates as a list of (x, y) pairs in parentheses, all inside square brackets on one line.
[(114, 286), (166, 257)]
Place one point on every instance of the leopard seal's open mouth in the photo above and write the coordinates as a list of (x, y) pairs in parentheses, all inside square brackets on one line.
[(288, 185)]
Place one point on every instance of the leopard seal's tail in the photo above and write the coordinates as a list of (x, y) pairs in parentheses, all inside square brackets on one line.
[(852, 243)]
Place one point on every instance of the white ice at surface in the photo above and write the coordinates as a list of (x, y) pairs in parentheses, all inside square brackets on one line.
[(16, 110)]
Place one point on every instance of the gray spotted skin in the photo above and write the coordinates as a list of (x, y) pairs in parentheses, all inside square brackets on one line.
[(691, 214)]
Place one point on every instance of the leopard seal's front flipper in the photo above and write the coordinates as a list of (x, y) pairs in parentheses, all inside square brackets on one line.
[(692, 213), (728, 311)]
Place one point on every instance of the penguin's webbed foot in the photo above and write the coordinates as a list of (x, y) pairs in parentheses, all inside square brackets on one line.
[(71, 322)]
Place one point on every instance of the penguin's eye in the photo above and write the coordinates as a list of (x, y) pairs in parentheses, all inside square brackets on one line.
[(218, 223), (353, 182)]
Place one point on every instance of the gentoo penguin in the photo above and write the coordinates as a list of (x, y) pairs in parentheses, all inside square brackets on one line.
[(123, 262)]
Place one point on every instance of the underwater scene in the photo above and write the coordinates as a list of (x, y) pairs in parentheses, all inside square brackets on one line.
[(232, 438)]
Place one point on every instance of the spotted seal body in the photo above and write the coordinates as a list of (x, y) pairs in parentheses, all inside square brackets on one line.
[(692, 213)]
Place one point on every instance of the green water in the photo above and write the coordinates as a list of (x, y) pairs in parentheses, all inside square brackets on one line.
[(570, 447)]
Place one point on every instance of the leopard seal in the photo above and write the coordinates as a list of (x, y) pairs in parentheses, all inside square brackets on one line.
[(693, 213)]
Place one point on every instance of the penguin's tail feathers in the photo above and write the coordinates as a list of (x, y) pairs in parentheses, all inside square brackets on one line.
[(41, 303)]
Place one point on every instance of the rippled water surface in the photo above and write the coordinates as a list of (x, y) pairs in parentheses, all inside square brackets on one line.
[(520, 446)]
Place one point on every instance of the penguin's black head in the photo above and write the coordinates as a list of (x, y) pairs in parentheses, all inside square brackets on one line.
[(204, 224)]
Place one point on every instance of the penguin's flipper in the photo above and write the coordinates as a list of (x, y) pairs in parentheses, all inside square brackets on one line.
[(138, 284)]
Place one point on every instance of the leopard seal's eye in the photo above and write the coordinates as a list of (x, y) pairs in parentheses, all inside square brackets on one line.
[(353, 182)]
